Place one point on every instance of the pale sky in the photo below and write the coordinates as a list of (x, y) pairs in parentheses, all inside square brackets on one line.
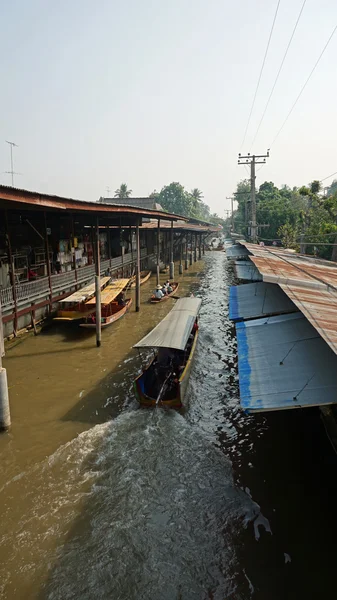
[(149, 92)]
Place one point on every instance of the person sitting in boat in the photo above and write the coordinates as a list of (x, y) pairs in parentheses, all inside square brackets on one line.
[(158, 294), (121, 299), (169, 288)]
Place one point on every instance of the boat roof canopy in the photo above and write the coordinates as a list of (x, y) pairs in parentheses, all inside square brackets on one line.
[(174, 330), (110, 292), (83, 294)]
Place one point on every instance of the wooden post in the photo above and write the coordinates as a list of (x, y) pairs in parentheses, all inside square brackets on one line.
[(73, 236), (109, 246), (203, 246), (48, 261), (199, 246), (171, 254), (12, 276), (181, 256), (186, 252), (98, 289), (158, 252), (195, 248), (137, 269), (191, 250), (121, 247)]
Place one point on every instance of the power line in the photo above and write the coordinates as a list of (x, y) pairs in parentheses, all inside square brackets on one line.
[(332, 174), (279, 71), (261, 71), (304, 86)]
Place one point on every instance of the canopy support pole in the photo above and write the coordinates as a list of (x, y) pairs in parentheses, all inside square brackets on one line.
[(158, 252), (181, 256), (195, 248), (171, 257), (137, 269), (98, 289), (186, 252), (199, 246)]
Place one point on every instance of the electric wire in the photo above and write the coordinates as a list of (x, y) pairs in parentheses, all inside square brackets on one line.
[(260, 75), (328, 177), (304, 86), (279, 71)]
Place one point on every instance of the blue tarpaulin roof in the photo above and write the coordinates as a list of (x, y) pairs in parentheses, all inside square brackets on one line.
[(254, 300), (284, 363)]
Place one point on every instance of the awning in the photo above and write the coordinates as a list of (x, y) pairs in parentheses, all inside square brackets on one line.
[(237, 251), (86, 292), (174, 330), (245, 270), (254, 300), (111, 292), (284, 363)]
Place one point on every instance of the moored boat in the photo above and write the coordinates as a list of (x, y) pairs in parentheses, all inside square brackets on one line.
[(73, 307), (165, 379), (144, 277), (113, 305), (174, 286)]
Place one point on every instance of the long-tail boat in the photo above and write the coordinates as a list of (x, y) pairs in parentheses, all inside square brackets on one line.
[(174, 286), (113, 305), (164, 381), (144, 277), (73, 307)]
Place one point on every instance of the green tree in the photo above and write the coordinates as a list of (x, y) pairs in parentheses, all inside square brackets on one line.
[(175, 199), (122, 191), (197, 194)]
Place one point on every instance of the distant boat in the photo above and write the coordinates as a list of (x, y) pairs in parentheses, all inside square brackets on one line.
[(144, 276), (73, 307), (164, 381), (174, 286), (111, 308)]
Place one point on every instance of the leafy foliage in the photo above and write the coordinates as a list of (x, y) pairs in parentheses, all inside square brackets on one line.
[(175, 199), (122, 191), (294, 216)]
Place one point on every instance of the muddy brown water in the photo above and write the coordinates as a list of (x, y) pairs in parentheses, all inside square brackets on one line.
[(101, 499)]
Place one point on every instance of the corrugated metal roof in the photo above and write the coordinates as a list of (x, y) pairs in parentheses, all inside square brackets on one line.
[(174, 330), (283, 364), (255, 300), (26, 197), (246, 271), (311, 284), (236, 251)]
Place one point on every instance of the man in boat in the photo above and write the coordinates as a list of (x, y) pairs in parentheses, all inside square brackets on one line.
[(158, 294), (121, 299)]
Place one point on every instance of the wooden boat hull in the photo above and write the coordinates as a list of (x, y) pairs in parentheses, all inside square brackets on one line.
[(71, 315), (111, 319), (154, 300), (144, 277), (176, 402)]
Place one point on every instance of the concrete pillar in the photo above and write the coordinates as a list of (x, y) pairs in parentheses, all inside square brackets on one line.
[(98, 289), (137, 269), (5, 417)]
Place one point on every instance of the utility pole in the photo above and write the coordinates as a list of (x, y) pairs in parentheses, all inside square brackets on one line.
[(252, 160), (12, 172), (232, 210)]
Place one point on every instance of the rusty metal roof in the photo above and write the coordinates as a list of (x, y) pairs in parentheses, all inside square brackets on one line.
[(26, 197), (311, 284), (181, 225)]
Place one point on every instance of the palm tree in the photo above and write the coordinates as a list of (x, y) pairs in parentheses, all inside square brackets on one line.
[(123, 191), (196, 194)]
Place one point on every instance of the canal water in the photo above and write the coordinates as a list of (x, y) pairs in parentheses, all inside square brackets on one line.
[(101, 499)]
